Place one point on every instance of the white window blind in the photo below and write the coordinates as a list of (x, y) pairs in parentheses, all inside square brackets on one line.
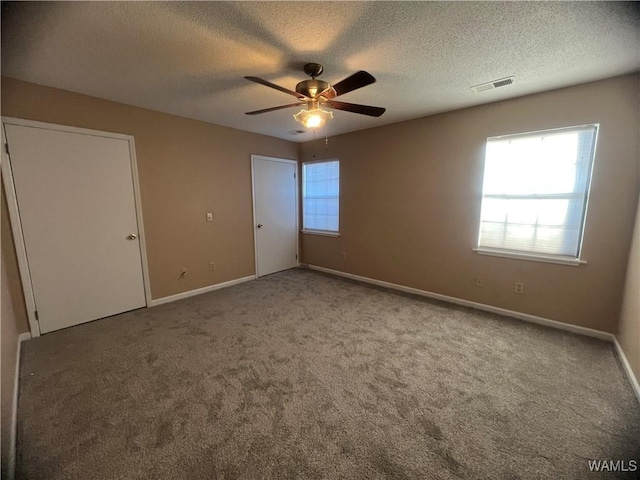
[(535, 192), (321, 196)]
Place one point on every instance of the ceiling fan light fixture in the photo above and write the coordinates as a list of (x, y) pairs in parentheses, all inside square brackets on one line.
[(313, 118), (314, 94)]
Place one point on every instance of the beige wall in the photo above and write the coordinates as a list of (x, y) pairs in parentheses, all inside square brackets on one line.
[(629, 331), (410, 204), (13, 322), (186, 168)]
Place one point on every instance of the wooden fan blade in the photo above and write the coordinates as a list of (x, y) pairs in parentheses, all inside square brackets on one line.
[(256, 112), (277, 87), (355, 108), (357, 80)]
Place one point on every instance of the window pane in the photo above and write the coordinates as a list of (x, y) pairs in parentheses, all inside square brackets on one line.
[(522, 166), (321, 194), (535, 191)]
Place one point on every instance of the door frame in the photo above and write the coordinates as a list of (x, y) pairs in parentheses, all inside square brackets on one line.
[(16, 223), (253, 195)]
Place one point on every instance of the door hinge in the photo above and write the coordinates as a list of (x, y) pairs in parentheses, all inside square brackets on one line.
[(36, 314), (6, 148), (296, 257), (294, 175)]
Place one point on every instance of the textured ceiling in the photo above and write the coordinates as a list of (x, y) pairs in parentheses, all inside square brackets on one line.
[(189, 58)]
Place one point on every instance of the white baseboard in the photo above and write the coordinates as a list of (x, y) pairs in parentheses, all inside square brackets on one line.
[(11, 467), (200, 291), (627, 368), (590, 332)]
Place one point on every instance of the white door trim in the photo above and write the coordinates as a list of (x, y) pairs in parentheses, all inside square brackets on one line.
[(18, 239), (14, 214), (253, 195)]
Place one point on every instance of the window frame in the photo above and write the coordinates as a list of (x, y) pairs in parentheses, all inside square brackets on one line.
[(535, 256), (311, 231)]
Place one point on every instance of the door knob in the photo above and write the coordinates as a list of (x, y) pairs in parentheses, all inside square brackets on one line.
[(259, 225), (133, 236)]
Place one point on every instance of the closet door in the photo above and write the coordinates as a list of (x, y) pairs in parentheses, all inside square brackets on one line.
[(76, 205)]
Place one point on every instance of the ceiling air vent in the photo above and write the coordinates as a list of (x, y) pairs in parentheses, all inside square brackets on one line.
[(493, 84), (295, 132)]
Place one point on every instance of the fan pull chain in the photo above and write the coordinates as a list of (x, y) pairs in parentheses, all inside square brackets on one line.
[(314, 139)]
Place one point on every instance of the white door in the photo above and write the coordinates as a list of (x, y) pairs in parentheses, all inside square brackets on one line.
[(76, 204), (275, 214)]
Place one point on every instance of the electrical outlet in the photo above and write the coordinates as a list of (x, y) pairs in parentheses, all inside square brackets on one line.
[(479, 282), (209, 217), (212, 266), (183, 272), (518, 287)]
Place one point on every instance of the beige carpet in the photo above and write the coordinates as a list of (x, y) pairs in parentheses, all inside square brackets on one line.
[(300, 375)]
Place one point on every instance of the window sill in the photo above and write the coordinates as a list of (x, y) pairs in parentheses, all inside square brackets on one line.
[(532, 257), (322, 233)]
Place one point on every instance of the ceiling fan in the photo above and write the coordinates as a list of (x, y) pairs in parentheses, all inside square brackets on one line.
[(315, 94)]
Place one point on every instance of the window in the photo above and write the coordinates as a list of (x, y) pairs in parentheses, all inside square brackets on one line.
[(535, 191), (321, 196)]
